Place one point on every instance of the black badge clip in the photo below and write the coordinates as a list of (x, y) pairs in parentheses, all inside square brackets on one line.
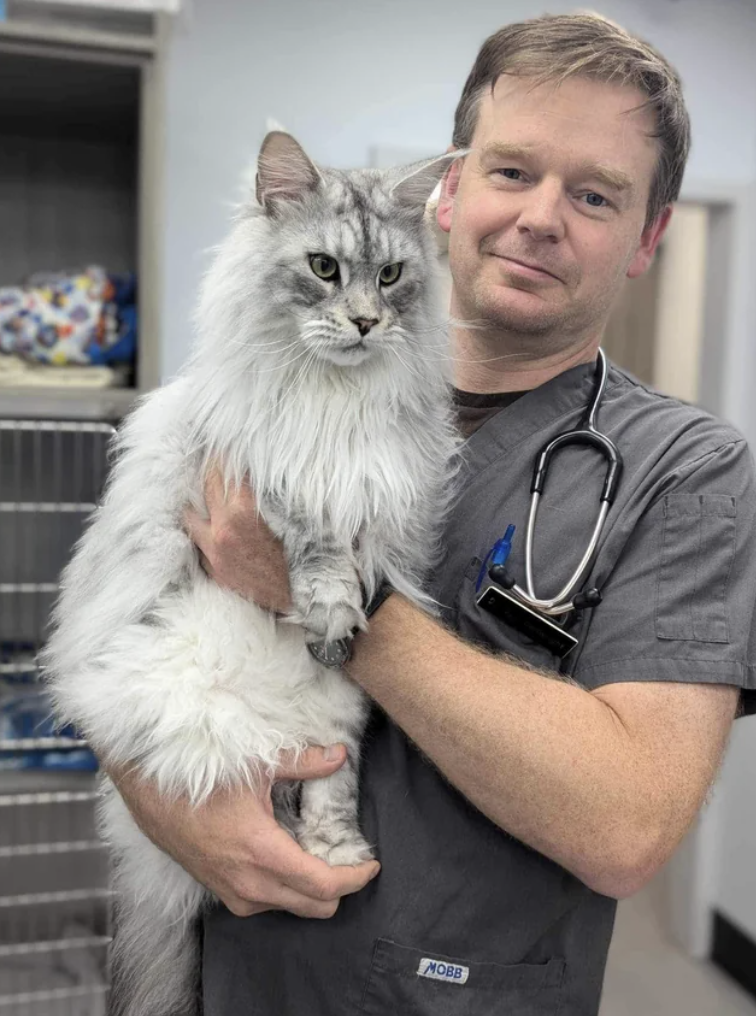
[(535, 626)]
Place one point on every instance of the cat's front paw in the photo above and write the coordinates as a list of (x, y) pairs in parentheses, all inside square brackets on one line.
[(326, 622), (347, 847)]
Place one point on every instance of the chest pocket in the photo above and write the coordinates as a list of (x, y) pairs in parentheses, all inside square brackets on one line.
[(479, 626), (410, 982)]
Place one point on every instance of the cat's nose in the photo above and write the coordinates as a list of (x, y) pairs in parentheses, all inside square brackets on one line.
[(364, 324)]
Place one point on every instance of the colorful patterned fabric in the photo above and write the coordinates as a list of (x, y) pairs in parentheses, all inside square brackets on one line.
[(84, 319)]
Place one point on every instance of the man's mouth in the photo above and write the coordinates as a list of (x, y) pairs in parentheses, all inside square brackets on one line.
[(529, 266)]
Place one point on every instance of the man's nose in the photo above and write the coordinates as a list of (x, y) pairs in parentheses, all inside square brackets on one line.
[(364, 324), (542, 213)]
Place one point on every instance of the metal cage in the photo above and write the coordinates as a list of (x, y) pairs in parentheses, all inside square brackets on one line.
[(55, 898)]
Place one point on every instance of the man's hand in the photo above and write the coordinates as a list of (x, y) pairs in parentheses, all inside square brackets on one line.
[(237, 549), (234, 846)]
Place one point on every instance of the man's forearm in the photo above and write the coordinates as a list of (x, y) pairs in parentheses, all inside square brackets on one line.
[(545, 760)]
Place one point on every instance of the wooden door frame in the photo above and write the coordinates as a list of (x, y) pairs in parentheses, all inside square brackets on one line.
[(728, 366)]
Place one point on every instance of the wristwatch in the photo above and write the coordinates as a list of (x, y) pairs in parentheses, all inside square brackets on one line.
[(338, 652)]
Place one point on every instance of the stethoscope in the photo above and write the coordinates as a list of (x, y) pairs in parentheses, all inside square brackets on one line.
[(539, 612)]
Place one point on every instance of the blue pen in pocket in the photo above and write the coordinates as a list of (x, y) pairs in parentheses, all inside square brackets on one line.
[(498, 554)]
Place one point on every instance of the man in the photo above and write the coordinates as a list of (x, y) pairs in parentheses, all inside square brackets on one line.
[(513, 798)]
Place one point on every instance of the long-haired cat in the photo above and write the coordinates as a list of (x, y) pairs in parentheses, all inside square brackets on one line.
[(320, 376)]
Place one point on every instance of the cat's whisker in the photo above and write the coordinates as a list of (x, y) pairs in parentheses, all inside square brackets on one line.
[(302, 370), (448, 325), (453, 357), (280, 366), (407, 367), (289, 341)]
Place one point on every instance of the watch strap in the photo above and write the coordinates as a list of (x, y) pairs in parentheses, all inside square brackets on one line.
[(335, 654), (379, 597)]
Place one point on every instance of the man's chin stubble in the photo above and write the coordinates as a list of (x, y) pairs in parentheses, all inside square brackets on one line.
[(527, 325)]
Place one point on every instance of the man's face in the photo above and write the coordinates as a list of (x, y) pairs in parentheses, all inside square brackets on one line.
[(546, 215)]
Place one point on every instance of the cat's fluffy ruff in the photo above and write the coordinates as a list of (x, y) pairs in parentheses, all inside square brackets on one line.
[(195, 687)]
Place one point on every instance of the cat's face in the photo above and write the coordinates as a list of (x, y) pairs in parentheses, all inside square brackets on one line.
[(351, 271), (350, 256)]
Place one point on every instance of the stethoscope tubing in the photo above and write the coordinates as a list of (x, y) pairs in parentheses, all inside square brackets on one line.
[(561, 603), (587, 433)]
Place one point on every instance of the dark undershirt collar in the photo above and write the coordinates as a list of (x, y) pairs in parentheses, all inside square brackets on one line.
[(474, 409)]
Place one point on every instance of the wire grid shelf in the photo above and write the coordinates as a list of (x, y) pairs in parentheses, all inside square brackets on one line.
[(55, 900)]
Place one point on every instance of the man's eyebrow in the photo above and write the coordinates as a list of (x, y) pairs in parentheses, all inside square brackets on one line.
[(606, 175), (613, 178), (503, 150)]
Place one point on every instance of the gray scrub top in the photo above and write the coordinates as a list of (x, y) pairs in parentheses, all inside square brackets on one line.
[(464, 920)]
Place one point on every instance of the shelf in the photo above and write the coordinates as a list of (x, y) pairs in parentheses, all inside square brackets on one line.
[(66, 403), (51, 849), (35, 781), (59, 945), (50, 899), (53, 995), (28, 588), (43, 799), (41, 744), (82, 38)]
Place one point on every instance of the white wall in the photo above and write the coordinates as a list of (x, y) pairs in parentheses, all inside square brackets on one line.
[(345, 75)]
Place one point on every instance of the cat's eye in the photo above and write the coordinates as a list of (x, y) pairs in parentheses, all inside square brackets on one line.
[(325, 267), (389, 274)]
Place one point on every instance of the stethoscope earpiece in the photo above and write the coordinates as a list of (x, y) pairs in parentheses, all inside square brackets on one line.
[(501, 576), (586, 600)]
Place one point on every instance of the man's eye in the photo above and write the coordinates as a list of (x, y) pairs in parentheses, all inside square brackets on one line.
[(595, 200), (510, 174)]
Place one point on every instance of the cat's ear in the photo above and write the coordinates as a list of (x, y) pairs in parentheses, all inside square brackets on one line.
[(284, 171), (416, 183)]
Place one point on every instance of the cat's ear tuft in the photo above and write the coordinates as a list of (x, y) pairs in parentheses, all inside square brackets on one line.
[(284, 171), (416, 183)]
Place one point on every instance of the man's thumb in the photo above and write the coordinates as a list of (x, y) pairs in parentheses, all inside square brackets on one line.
[(312, 763)]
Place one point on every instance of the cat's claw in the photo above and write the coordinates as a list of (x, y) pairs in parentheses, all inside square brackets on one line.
[(331, 621)]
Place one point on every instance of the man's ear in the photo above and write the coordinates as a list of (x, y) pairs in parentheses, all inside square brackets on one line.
[(650, 240), (449, 186)]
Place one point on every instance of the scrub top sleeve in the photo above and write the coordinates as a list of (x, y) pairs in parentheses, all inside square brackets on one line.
[(680, 603)]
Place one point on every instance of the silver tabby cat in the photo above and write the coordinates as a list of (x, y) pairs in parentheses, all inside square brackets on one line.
[(320, 375)]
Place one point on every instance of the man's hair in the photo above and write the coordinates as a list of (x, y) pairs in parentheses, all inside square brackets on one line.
[(555, 47)]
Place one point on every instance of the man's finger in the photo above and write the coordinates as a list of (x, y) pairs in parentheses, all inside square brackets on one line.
[(304, 906), (199, 530), (311, 876), (334, 882), (215, 491), (242, 908), (230, 503), (247, 495), (312, 764)]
